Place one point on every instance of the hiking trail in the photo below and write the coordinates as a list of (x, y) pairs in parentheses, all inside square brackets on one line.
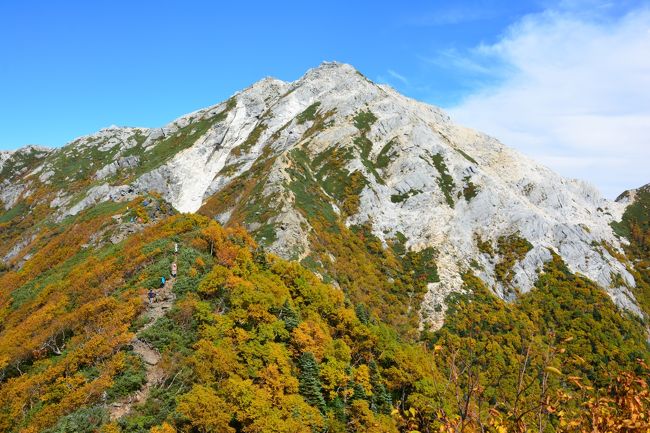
[(150, 356)]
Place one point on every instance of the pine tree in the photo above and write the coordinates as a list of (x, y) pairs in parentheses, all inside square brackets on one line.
[(339, 408), (309, 383), (289, 316), (359, 392), (381, 398), (362, 313)]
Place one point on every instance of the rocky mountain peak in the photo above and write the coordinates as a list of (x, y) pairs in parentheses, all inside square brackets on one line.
[(331, 69), (335, 151)]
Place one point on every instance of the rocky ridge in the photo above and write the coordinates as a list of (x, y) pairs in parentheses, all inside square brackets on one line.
[(418, 176)]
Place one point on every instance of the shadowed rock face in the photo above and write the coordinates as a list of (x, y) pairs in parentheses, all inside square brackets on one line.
[(335, 146)]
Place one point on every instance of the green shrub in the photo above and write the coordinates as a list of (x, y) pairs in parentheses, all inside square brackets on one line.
[(129, 380), (84, 420), (166, 333)]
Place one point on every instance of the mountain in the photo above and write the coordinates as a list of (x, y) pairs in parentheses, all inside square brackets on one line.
[(348, 260), (335, 152)]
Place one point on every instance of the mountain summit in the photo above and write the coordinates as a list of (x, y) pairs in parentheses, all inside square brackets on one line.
[(297, 163)]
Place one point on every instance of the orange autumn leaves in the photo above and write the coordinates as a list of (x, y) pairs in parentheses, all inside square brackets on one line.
[(246, 322), (75, 310)]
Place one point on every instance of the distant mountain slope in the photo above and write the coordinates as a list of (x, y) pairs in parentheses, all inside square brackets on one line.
[(333, 160)]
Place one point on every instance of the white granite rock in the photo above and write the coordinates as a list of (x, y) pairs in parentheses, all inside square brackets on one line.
[(433, 164)]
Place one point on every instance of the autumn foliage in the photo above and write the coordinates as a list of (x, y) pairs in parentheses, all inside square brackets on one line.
[(255, 343)]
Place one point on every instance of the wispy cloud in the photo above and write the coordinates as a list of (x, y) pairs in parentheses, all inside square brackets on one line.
[(399, 77), (575, 93), (460, 62)]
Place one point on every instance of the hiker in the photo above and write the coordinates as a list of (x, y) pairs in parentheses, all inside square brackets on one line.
[(174, 270), (162, 282), (175, 247), (152, 295)]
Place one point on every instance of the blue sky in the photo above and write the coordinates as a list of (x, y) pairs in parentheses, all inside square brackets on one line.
[(70, 68)]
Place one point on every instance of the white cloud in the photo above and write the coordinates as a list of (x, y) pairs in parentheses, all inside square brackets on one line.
[(576, 95), (399, 77)]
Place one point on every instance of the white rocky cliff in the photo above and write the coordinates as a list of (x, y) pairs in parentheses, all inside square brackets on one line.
[(435, 182)]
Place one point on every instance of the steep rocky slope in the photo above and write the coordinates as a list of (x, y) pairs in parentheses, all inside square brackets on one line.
[(331, 152)]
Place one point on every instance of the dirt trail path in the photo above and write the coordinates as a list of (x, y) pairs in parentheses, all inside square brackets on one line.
[(151, 357)]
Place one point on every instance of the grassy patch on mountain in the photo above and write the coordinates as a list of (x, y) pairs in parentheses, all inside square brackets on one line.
[(165, 148), (74, 165), (330, 170), (19, 210), (266, 234), (309, 114), (310, 193), (484, 246), (364, 120), (511, 249), (445, 181), (22, 161), (328, 179), (466, 156), (244, 198), (402, 197), (386, 154), (230, 169), (320, 121), (251, 140), (422, 265), (470, 190), (365, 147)]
